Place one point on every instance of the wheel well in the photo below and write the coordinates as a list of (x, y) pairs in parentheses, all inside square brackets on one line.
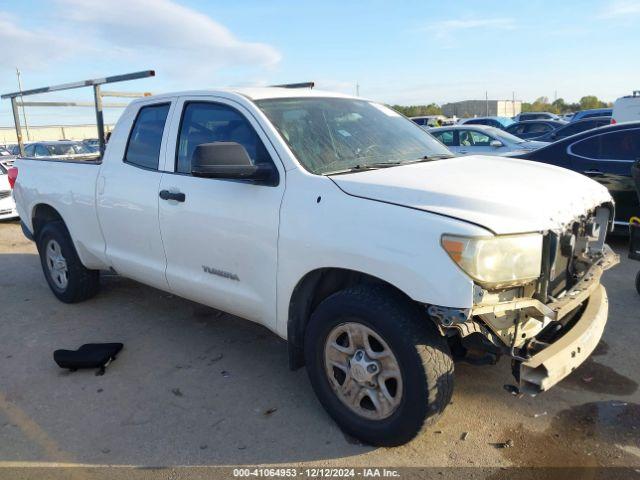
[(312, 289), (43, 214)]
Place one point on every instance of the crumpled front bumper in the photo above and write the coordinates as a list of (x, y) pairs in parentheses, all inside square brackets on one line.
[(546, 368)]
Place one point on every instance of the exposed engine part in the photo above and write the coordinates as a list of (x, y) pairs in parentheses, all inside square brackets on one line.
[(478, 294), (447, 316)]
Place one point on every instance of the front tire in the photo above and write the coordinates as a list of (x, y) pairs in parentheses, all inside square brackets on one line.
[(378, 366), (69, 280)]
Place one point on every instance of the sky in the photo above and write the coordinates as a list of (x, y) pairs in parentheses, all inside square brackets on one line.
[(397, 52)]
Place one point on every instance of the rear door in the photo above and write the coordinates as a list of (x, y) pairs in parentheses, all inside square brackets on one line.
[(127, 194), (608, 158), (221, 241)]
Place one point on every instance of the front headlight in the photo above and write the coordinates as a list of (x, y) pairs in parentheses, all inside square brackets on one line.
[(497, 261)]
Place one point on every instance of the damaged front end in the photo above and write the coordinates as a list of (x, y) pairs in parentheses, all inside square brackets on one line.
[(550, 325)]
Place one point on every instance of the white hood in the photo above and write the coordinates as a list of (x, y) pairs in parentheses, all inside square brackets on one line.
[(501, 194)]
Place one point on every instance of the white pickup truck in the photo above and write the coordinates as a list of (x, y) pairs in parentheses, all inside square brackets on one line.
[(344, 228)]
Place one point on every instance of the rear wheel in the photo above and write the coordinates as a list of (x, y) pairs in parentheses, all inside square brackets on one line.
[(638, 283), (69, 280), (379, 367)]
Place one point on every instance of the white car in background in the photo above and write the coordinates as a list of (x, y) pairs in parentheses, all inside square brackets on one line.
[(482, 140), (626, 109), (7, 205)]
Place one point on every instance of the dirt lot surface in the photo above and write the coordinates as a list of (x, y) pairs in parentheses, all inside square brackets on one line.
[(197, 387)]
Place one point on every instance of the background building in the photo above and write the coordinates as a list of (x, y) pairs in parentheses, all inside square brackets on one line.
[(482, 108)]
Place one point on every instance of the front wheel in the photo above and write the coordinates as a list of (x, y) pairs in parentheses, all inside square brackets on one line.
[(378, 366), (69, 280)]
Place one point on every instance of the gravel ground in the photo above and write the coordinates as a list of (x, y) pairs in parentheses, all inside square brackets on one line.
[(197, 387)]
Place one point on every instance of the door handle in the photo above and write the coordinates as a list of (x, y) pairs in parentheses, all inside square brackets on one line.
[(595, 173), (177, 196)]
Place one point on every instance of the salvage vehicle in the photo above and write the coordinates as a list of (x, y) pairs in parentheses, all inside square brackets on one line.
[(346, 229)]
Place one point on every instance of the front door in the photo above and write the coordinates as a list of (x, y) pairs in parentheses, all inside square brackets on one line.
[(221, 238)]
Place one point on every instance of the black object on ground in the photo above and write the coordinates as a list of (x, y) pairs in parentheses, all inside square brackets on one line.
[(90, 355)]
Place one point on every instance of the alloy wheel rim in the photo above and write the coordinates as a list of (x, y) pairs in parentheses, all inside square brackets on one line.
[(57, 265)]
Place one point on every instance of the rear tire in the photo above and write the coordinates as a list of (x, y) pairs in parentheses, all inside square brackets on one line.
[(69, 280), (425, 380), (638, 283)]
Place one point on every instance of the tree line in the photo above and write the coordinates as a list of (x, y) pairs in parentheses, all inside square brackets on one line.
[(541, 104)]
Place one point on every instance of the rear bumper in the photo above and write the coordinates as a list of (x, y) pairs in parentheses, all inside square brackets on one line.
[(559, 359)]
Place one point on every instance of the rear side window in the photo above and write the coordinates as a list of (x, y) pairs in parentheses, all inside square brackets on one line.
[(143, 149), (538, 128), (624, 145), (445, 137), (205, 122)]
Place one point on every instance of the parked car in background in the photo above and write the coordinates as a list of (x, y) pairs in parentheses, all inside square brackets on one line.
[(14, 149), (4, 152), (497, 122), (429, 120), (532, 129), (523, 117), (605, 154), (482, 140), (627, 109), (92, 144), (7, 205), (593, 112), (58, 148), (567, 116), (574, 128)]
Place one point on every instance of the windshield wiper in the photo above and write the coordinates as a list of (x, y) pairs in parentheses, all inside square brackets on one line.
[(363, 167), (427, 158)]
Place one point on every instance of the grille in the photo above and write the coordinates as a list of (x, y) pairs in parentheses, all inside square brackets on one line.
[(5, 194)]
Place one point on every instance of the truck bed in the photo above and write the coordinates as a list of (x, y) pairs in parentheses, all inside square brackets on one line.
[(70, 185)]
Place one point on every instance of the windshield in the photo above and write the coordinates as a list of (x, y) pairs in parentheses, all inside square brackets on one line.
[(67, 149), (332, 135)]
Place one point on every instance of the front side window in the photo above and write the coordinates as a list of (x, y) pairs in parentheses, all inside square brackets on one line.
[(29, 150), (334, 135), (144, 144), (206, 122), (474, 138)]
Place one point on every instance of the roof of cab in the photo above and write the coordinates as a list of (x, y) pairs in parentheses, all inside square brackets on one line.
[(258, 93)]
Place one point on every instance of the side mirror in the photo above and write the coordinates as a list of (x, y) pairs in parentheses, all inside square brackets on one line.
[(496, 144), (230, 160)]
